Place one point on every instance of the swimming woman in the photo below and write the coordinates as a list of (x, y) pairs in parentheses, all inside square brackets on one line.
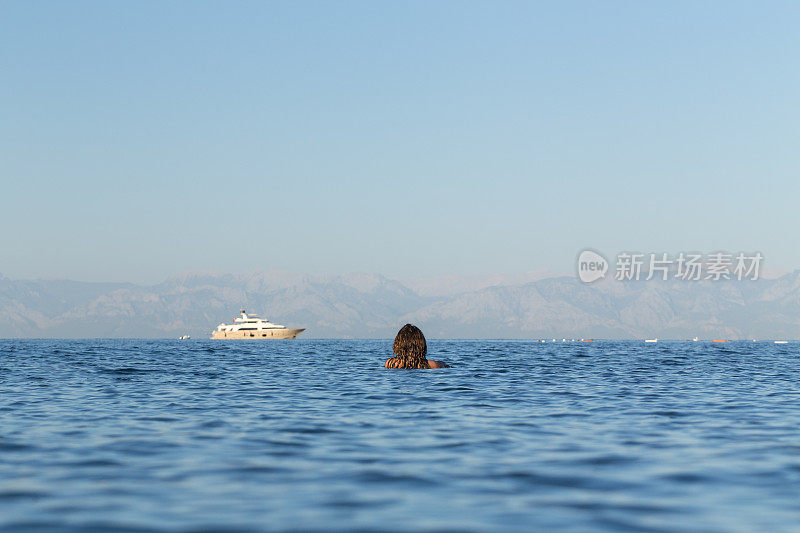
[(410, 350)]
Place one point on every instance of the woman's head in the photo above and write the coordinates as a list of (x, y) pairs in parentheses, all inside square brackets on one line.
[(410, 343)]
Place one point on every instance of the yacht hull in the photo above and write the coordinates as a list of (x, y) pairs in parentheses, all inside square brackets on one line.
[(266, 334)]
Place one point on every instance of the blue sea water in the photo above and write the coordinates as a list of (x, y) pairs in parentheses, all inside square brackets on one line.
[(316, 435)]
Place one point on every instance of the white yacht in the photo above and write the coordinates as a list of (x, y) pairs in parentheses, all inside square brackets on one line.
[(250, 326)]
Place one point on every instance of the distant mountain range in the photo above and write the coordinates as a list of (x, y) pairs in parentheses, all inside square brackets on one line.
[(533, 305)]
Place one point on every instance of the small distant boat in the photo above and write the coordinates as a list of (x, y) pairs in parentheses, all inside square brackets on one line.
[(781, 342), (184, 337), (651, 340), (695, 339), (718, 340)]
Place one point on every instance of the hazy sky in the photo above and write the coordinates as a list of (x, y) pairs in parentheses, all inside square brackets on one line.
[(139, 139)]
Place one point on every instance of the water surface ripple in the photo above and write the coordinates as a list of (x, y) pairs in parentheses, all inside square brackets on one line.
[(316, 435)]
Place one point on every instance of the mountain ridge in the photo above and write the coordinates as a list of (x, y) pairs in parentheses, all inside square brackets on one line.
[(368, 305)]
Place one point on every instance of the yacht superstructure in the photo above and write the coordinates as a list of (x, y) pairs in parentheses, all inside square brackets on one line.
[(250, 326)]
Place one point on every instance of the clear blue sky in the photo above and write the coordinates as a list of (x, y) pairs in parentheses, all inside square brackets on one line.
[(140, 139)]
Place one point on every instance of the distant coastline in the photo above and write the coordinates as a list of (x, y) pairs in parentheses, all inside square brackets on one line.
[(365, 305)]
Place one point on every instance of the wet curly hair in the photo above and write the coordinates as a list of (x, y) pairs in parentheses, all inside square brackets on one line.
[(410, 347)]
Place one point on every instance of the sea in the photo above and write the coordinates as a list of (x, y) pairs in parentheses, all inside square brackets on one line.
[(315, 435)]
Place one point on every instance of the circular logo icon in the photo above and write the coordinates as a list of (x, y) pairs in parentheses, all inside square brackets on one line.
[(591, 266)]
